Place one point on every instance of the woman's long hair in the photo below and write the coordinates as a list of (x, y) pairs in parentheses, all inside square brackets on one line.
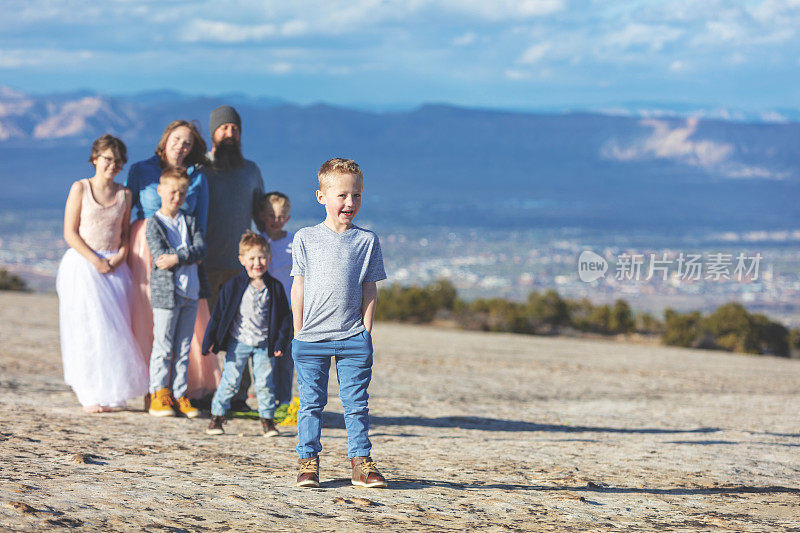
[(195, 157)]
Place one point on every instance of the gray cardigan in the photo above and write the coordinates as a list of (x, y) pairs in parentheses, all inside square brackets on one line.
[(162, 282)]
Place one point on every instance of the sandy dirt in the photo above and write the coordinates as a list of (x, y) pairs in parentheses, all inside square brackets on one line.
[(475, 431)]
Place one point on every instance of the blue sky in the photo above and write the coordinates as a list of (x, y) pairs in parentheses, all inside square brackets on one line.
[(498, 53)]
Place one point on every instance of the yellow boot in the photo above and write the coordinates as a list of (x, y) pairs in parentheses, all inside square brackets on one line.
[(161, 403), (185, 407)]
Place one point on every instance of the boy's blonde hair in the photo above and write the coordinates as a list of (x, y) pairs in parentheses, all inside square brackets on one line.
[(279, 198), (175, 173), (273, 197), (251, 239), (332, 168)]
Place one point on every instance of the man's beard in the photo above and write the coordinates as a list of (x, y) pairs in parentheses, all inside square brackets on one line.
[(228, 155)]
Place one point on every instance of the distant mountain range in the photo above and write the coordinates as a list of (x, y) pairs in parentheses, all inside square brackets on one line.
[(439, 164)]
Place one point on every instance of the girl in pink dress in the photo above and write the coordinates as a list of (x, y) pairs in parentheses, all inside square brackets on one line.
[(102, 362)]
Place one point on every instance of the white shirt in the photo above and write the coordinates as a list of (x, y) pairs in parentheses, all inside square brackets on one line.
[(280, 267), (187, 283)]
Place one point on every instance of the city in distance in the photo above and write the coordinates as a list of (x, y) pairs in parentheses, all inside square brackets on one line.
[(501, 202)]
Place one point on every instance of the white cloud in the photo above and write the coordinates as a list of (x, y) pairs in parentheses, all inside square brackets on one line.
[(767, 24), (201, 30), (772, 12), (501, 9), (677, 143), (535, 53), (725, 30), (752, 172), (281, 68), (42, 57), (260, 12), (516, 74), (774, 117), (538, 8), (653, 37), (465, 39), (778, 36), (295, 27), (737, 58), (634, 46), (666, 142), (251, 21)]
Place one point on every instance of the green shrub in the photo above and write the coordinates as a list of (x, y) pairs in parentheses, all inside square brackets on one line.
[(648, 324), (681, 329), (415, 304), (548, 308), (733, 328), (730, 327), (794, 339), (773, 338), (580, 314), (497, 314), (11, 282), (621, 319)]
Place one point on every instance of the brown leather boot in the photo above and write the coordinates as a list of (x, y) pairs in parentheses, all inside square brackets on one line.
[(365, 473), (215, 426), (309, 472), (268, 425)]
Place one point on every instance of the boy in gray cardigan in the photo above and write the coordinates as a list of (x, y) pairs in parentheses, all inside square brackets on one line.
[(177, 280)]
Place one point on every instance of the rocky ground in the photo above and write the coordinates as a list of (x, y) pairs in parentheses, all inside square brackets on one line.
[(475, 431)]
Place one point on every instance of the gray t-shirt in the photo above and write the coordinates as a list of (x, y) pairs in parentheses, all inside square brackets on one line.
[(334, 266), (251, 323)]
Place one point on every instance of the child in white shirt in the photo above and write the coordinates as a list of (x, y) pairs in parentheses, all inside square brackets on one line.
[(273, 216)]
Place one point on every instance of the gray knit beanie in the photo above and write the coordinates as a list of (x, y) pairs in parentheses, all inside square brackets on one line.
[(224, 114)]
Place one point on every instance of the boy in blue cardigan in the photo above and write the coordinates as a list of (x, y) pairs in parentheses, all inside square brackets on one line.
[(251, 318)]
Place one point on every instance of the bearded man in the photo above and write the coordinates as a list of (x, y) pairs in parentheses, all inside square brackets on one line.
[(235, 189)]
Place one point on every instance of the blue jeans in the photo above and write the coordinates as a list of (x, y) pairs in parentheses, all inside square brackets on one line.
[(172, 338), (284, 376), (236, 358), (312, 360)]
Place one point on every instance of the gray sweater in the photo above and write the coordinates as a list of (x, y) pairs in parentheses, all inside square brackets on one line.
[(162, 282), (232, 195)]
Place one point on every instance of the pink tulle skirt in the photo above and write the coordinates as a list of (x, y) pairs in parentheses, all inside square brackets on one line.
[(204, 372)]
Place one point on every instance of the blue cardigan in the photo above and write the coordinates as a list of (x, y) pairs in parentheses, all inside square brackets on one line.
[(143, 178), (218, 333)]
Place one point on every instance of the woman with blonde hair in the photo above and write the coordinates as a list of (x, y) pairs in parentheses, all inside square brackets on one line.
[(180, 145)]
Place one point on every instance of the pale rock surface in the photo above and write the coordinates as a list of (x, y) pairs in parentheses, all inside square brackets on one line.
[(475, 431)]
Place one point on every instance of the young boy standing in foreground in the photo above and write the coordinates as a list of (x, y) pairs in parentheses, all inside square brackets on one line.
[(336, 266)]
